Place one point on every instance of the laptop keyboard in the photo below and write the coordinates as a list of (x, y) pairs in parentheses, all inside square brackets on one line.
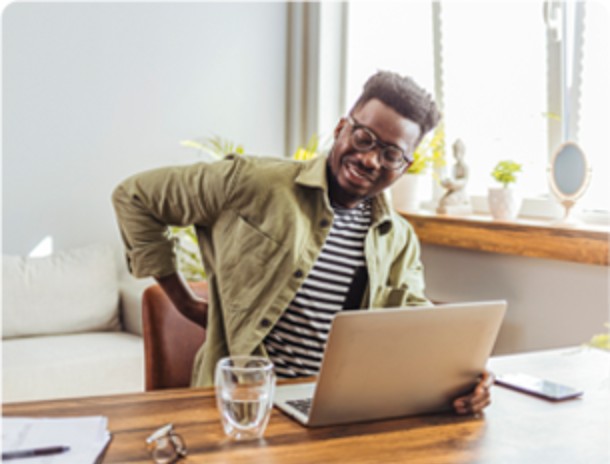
[(303, 405)]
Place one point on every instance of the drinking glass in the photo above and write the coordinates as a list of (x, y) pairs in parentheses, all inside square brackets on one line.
[(244, 394)]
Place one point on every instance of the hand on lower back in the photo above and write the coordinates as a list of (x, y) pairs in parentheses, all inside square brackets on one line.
[(184, 299)]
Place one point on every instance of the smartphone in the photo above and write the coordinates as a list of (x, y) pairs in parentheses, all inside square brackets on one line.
[(538, 387)]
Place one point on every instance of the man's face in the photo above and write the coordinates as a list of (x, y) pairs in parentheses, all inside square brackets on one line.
[(354, 176)]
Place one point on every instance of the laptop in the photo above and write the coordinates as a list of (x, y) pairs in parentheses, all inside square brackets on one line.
[(388, 363)]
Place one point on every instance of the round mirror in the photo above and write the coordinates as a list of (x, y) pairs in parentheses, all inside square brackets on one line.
[(569, 176)]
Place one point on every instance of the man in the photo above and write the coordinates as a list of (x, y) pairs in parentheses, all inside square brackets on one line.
[(287, 244)]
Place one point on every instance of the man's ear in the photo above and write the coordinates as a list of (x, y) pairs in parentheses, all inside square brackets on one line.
[(340, 125)]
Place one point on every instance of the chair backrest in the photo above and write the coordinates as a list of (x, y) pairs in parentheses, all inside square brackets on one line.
[(170, 339)]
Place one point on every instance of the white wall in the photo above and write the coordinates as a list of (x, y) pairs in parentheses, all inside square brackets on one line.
[(93, 92), (550, 303)]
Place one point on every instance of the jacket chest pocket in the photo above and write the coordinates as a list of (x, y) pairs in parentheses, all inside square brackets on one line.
[(248, 263), (248, 240)]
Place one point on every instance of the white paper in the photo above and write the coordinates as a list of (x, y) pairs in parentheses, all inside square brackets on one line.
[(86, 437)]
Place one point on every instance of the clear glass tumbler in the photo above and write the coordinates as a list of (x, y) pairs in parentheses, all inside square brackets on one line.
[(244, 394)]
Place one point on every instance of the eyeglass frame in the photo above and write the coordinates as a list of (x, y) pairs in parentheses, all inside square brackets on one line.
[(377, 143), (167, 432)]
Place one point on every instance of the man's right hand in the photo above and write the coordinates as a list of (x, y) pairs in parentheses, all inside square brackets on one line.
[(184, 299), (195, 310)]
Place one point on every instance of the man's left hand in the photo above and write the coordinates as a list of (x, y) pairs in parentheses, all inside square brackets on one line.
[(479, 399)]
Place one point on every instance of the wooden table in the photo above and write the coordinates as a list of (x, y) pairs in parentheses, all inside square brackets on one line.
[(516, 428)]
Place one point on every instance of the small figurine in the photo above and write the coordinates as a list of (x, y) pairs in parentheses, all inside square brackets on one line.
[(455, 200)]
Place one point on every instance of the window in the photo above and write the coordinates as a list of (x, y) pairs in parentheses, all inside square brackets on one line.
[(494, 88), (395, 36), (498, 76), (593, 124)]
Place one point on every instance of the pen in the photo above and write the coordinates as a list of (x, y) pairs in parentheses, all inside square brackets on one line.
[(30, 453)]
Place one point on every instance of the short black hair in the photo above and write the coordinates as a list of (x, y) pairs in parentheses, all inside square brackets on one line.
[(405, 96)]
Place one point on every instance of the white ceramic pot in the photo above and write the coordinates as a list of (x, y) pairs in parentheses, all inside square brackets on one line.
[(504, 203), (406, 193)]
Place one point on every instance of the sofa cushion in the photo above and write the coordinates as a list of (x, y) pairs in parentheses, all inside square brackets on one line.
[(64, 366), (131, 290), (67, 292)]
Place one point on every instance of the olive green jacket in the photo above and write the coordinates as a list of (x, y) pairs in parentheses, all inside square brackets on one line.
[(261, 224)]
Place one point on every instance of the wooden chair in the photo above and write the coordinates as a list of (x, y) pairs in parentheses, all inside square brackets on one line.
[(170, 340)]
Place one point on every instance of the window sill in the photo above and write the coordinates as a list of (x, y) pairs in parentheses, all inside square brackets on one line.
[(534, 238)]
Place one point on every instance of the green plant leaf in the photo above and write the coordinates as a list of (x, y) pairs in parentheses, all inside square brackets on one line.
[(188, 254), (553, 116), (215, 146), (601, 340), (504, 172)]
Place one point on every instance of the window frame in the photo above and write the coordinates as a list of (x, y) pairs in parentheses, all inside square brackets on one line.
[(562, 100)]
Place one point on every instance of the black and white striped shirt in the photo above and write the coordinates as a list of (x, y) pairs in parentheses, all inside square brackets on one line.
[(337, 280)]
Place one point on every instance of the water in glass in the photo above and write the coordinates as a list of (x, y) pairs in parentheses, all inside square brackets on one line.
[(244, 392)]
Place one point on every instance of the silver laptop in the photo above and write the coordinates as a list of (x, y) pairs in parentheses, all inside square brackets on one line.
[(389, 363)]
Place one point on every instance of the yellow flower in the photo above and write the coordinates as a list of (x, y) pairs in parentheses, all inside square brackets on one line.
[(307, 152), (431, 151)]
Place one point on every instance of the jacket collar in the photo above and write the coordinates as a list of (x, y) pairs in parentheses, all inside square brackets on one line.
[(313, 174)]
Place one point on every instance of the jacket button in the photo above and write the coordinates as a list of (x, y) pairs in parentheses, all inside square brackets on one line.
[(324, 223), (265, 323), (298, 274)]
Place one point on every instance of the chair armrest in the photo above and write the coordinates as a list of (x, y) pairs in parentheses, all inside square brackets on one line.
[(171, 341)]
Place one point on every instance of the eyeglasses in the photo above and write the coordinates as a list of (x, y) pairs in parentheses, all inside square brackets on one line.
[(166, 445), (364, 139)]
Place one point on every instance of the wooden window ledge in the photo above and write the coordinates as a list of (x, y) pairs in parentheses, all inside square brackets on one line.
[(538, 239)]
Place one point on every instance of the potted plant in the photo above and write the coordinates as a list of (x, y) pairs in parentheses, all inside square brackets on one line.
[(504, 203), (406, 191)]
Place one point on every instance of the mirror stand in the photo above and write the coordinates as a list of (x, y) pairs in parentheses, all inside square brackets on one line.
[(568, 219), (569, 176)]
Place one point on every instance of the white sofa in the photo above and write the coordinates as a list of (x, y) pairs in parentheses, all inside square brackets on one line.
[(71, 326)]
